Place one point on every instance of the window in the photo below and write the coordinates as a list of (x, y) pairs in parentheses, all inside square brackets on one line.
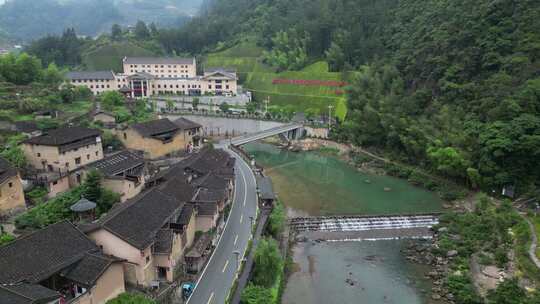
[(55, 183), (97, 153), (77, 161), (147, 259), (67, 165), (125, 135), (87, 156), (227, 87), (39, 154), (10, 184), (209, 86)]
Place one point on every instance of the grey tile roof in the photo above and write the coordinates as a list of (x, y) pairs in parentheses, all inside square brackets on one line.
[(89, 269), (38, 255), (26, 126), (118, 163), (91, 75), (266, 190), (214, 195), (207, 209), (25, 293), (138, 220), (185, 215), (164, 241), (6, 170), (213, 72), (212, 182), (64, 136), (158, 60), (186, 124), (179, 188), (155, 127)]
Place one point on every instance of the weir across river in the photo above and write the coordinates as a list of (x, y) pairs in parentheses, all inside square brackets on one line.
[(360, 223)]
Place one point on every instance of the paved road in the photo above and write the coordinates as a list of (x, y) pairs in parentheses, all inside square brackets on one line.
[(218, 276)]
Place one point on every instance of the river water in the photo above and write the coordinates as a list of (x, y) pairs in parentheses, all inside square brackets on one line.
[(368, 272)]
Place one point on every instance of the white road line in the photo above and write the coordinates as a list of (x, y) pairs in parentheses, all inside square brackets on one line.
[(225, 266), (211, 298), (235, 239), (222, 233), (241, 218)]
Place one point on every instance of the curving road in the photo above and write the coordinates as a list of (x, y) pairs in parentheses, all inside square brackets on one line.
[(218, 276)]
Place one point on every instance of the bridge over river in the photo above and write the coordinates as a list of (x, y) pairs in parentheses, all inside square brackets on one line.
[(366, 226)]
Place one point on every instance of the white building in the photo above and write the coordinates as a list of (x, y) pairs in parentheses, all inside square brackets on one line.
[(144, 77)]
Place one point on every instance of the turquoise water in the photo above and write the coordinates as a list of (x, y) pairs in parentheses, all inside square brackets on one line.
[(315, 184), (318, 184)]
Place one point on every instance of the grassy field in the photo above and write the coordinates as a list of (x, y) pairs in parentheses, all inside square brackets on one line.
[(257, 77), (110, 56)]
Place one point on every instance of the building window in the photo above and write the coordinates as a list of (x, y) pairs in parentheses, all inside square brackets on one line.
[(55, 183), (125, 135), (87, 156), (147, 259), (227, 87), (39, 154), (77, 161), (209, 86), (10, 184), (97, 153), (67, 165)]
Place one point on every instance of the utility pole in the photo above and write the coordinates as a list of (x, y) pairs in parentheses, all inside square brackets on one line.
[(330, 116)]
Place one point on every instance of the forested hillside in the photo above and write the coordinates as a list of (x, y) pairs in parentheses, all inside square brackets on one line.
[(24, 20), (451, 85)]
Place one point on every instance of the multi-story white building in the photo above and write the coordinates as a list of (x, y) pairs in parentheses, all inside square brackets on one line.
[(144, 77)]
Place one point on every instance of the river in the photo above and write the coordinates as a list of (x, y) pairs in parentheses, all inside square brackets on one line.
[(369, 272)]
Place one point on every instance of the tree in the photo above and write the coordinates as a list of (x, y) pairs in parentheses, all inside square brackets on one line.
[(131, 298), (141, 31), (253, 294), (508, 292), (116, 32), (335, 57), (170, 105), (111, 99), (448, 160), (52, 76), (224, 107), (268, 263), (92, 186), (277, 219), (195, 103)]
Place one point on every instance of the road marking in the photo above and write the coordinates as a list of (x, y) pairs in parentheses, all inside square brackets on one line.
[(211, 298), (225, 266), (241, 218), (235, 239)]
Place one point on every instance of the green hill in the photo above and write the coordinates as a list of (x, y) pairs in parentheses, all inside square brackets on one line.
[(110, 56), (260, 80)]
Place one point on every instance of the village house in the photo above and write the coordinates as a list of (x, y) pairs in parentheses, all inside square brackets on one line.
[(107, 119), (151, 232), (162, 137), (123, 172), (147, 76), (58, 264), (11, 189), (27, 128), (57, 152), (64, 149)]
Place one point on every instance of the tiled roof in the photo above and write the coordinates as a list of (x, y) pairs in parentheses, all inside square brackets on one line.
[(186, 124), (6, 170), (164, 241), (26, 126), (185, 215), (155, 127), (91, 75), (118, 163), (38, 255), (207, 208), (207, 195), (25, 293), (64, 136), (158, 60), (89, 269), (211, 181), (179, 188), (266, 191), (138, 220)]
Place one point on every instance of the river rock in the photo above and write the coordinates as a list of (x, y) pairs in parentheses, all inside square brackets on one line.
[(436, 296)]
